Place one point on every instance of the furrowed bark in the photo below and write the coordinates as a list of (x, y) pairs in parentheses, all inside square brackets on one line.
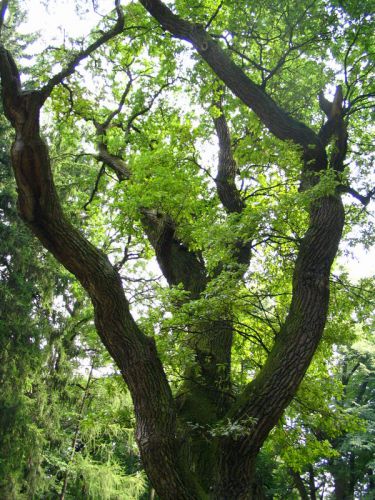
[(211, 341), (267, 396), (265, 399), (133, 352), (225, 180), (227, 191)]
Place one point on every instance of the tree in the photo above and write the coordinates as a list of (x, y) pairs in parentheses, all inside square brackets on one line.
[(199, 435), (46, 402)]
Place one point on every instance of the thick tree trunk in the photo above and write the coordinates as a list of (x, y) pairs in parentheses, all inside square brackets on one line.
[(261, 404), (133, 352), (231, 470)]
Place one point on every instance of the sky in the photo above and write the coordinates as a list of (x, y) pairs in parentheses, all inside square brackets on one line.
[(56, 19)]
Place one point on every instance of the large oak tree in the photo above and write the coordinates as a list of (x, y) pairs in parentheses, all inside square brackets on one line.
[(199, 434)]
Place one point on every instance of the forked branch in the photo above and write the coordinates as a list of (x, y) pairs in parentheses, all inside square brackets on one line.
[(280, 123)]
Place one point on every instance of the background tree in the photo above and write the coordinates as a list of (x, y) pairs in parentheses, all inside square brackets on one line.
[(200, 434)]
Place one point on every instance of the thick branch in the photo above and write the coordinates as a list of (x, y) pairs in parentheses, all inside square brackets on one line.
[(268, 395), (299, 484), (212, 344), (227, 168), (365, 200), (177, 262), (227, 191), (334, 112), (274, 118), (115, 163), (335, 128)]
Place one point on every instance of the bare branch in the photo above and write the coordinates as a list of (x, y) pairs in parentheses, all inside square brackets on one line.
[(214, 15), (114, 113), (96, 186), (244, 57), (346, 61), (365, 200)]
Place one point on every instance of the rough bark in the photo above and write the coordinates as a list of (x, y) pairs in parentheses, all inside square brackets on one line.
[(133, 352), (227, 191), (267, 396), (211, 341), (264, 400), (179, 265), (208, 381), (227, 169)]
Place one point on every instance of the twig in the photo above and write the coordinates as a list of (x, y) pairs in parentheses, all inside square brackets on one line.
[(96, 186)]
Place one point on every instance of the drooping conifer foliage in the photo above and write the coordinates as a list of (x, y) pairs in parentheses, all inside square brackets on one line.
[(195, 170)]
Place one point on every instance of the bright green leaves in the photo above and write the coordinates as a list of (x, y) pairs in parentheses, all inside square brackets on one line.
[(143, 100)]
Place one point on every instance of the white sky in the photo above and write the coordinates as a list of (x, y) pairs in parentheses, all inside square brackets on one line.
[(56, 19), (53, 18)]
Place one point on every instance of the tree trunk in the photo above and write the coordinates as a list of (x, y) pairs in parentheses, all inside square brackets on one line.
[(224, 467), (133, 352)]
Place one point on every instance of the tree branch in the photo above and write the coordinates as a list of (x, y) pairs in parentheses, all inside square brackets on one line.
[(213, 16), (365, 200), (227, 191), (273, 117), (177, 262), (266, 397), (96, 186), (70, 68), (227, 168), (134, 353)]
